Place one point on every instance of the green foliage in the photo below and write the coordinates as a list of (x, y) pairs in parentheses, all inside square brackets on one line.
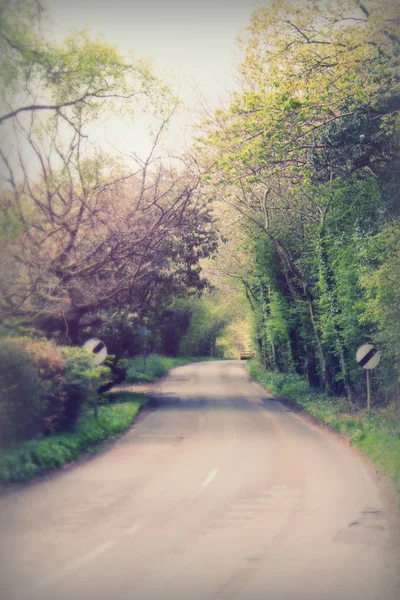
[(82, 381), (78, 373), (156, 366), (33, 397), (43, 387), (379, 306), (280, 384), (25, 460), (80, 75), (312, 136), (210, 315)]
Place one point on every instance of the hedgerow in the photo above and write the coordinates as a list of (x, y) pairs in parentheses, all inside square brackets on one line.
[(27, 459), (42, 387)]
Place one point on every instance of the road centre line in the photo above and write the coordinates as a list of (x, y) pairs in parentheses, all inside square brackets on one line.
[(76, 564), (133, 529), (209, 478), (80, 562)]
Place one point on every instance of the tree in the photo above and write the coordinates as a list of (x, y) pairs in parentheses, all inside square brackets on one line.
[(91, 236), (77, 78), (316, 115), (87, 238)]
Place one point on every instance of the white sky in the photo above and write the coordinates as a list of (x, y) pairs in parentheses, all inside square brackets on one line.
[(193, 40)]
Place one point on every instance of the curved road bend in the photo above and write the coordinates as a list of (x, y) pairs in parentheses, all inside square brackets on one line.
[(217, 492)]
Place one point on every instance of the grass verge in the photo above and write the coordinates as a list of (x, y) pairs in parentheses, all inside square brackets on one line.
[(27, 459), (376, 434), (157, 366), (23, 461)]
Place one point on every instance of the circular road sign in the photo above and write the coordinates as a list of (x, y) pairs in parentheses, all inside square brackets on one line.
[(98, 349), (367, 356)]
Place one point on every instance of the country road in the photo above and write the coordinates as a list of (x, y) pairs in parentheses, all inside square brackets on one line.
[(216, 492)]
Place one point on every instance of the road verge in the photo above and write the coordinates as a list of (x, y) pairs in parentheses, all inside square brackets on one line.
[(376, 434), (118, 409), (28, 459)]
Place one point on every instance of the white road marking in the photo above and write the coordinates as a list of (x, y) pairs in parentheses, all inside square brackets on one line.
[(133, 529), (77, 564), (209, 478)]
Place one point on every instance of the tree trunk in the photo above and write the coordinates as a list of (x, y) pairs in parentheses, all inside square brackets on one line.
[(310, 301), (328, 281), (325, 382), (72, 332)]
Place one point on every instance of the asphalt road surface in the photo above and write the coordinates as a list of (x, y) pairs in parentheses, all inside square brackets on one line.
[(216, 492)]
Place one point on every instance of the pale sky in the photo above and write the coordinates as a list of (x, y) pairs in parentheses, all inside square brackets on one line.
[(193, 40)]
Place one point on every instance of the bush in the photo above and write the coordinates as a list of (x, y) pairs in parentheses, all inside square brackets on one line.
[(32, 389), (43, 387), (82, 381)]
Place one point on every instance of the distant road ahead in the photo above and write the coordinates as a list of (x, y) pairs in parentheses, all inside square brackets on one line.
[(217, 492)]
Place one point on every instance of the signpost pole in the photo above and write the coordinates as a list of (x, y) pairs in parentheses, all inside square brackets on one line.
[(368, 390), (94, 394), (99, 353), (144, 352), (368, 358), (144, 332)]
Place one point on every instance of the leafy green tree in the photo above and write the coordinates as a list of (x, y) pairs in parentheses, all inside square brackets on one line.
[(306, 153), (84, 236), (79, 77), (379, 305)]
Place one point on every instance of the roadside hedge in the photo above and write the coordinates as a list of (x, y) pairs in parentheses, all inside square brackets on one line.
[(42, 387), (32, 389), (27, 459)]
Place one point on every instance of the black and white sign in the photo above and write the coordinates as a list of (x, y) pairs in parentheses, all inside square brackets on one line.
[(98, 349), (367, 356)]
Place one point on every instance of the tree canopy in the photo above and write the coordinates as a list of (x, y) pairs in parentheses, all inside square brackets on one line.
[(87, 236), (306, 153)]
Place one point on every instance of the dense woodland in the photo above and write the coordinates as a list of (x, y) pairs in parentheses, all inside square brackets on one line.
[(307, 153), (285, 213)]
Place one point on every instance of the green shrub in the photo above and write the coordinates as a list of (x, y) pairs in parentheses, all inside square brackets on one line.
[(78, 370), (82, 381), (32, 389), (43, 387), (25, 460), (48, 364)]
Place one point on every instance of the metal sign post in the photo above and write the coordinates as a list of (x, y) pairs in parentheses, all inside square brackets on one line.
[(98, 350), (368, 389), (368, 358), (144, 332)]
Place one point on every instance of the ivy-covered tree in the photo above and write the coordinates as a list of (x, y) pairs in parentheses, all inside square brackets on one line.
[(307, 154)]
